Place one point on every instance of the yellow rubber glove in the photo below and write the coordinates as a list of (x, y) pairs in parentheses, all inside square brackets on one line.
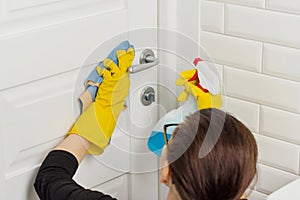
[(96, 124), (205, 99)]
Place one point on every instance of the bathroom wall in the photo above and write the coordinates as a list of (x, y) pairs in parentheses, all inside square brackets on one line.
[(179, 24), (257, 45)]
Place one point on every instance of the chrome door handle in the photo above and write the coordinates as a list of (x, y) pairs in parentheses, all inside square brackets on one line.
[(147, 60)]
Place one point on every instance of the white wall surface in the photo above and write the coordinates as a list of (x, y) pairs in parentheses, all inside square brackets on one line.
[(257, 44), (179, 24)]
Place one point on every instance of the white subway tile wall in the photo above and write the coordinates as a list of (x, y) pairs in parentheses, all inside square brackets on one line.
[(262, 89), (280, 124), (256, 195), (280, 61), (247, 112), (259, 49), (252, 3), (212, 16), (290, 6), (277, 153), (271, 179), (262, 25), (223, 49)]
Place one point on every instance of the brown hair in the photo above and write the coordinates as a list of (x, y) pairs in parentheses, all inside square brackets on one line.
[(229, 167)]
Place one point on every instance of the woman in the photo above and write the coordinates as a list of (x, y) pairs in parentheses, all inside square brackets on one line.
[(224, 173), (193, 165)]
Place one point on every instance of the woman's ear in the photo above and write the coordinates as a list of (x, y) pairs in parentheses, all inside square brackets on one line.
[(165, 175)]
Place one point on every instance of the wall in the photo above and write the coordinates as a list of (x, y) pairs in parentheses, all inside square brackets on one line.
[(178, 31), (257, 44)]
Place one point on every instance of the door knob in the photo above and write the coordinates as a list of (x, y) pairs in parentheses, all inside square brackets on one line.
[(147, 60)]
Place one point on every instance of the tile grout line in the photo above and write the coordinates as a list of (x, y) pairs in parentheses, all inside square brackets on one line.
[(224, 17), (261, 69), (259, 119), (298, 167)]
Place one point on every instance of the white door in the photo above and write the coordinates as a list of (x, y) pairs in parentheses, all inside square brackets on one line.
[(46, 48)]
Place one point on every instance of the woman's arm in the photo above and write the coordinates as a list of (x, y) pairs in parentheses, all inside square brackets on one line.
[(75, 145), (54, 180), (96, 124)]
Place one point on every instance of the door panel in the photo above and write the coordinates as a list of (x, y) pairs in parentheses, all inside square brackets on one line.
[(49, 51), (117, 187), (28, 123), (48, 48), (36, 119), (18, 16)]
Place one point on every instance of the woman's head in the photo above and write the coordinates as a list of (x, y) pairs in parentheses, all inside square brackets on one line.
[(228, 164)]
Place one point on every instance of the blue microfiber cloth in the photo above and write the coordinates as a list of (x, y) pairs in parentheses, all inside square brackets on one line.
[(95, 78)]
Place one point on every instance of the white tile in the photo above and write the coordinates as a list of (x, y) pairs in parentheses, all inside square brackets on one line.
[(254, 181), (279, 154), (271, 179), (212, 16), (253, 3), (254, 195), (258, 24), (291, 6), (262, 89), (280, 124), (240, 53), (245, 111), (281, 61), (290, 191), (187, 24), (219, 70)]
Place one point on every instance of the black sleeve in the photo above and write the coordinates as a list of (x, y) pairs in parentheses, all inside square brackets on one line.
[(54, 179)]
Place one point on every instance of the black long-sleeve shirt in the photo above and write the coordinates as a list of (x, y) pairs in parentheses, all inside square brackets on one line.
[(54, 179)]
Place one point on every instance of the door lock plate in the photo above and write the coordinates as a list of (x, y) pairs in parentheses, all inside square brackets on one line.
[(148, 96)]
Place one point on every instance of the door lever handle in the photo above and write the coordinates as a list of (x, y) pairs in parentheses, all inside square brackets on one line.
[(147, 60)]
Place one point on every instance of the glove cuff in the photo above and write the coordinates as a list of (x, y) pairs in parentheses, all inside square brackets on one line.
[(88, 127)]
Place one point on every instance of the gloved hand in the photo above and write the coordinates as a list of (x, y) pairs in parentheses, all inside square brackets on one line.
[(93, 80), (189, 79), (96, 124), (196, 97)]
